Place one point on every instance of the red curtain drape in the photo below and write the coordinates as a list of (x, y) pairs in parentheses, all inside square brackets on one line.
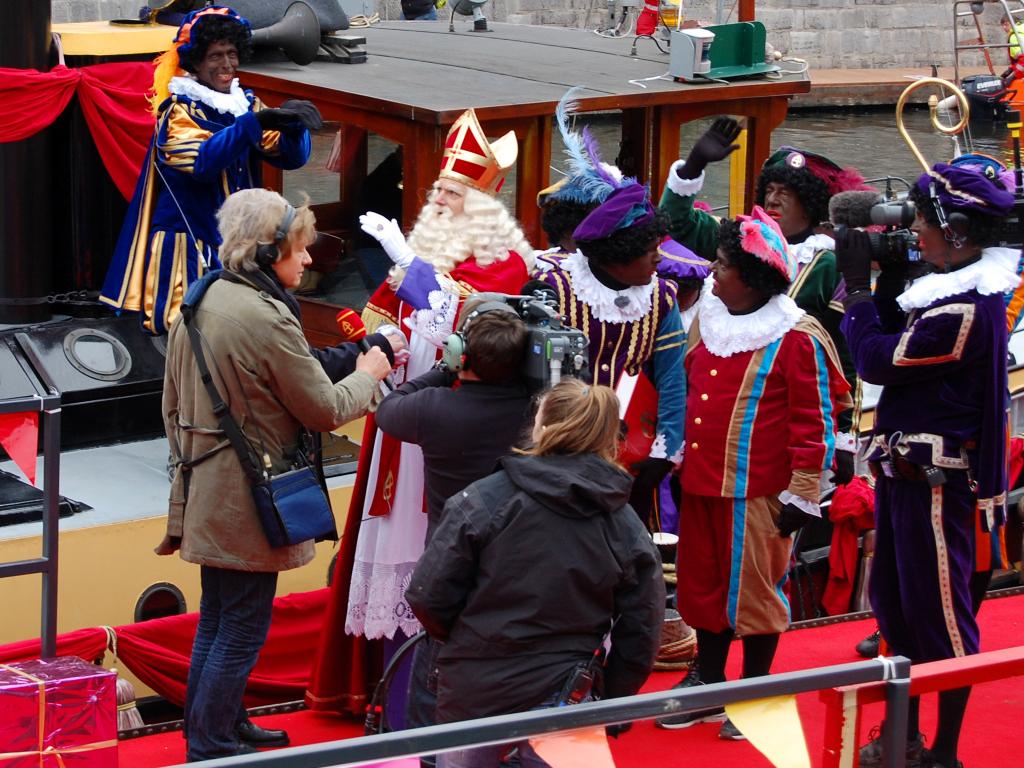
[(158, 651), (113, 99)]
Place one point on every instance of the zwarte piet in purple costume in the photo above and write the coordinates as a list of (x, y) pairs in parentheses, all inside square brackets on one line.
[(939, 350)]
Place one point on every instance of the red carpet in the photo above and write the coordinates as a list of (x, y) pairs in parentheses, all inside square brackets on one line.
[(993, 706)]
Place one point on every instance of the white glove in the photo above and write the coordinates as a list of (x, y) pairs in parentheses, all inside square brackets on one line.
[(389, 235)]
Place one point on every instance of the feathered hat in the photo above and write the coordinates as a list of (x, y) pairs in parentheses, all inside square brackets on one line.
[(836, 179), (168, 64), (760, 236), (581, 183), (472, 160), (621, 202)]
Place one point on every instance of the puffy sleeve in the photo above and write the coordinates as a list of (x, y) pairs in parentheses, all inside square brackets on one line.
[(696, 229)]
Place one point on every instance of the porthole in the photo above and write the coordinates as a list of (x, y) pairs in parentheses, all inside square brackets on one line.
[(159, 600)]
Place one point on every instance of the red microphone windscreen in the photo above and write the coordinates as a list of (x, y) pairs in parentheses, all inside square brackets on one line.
[(351, 325)]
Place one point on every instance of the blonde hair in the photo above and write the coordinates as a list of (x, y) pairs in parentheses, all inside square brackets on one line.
[(578, 418), (485, 229), (250, 217)]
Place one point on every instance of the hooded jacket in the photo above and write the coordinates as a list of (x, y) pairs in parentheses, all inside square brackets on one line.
[(523, 578)]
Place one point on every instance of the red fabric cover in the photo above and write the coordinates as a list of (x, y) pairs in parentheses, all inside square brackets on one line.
[(19, 436), (113, 99), (87, 644), (158, 651), (1016, 461), (852, 511), (58, 713)]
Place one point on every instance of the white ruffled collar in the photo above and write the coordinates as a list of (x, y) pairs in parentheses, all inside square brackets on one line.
[(994, 272), (233, 103), (804, 252), (725, 334), (635, 300)]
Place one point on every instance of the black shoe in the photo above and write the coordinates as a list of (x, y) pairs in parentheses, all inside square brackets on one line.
[(871, 753), (868, 647), (730, 732), (250, 733), (686, 719), (479, 25)]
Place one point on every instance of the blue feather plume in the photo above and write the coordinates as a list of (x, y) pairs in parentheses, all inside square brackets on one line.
[(586, 180)]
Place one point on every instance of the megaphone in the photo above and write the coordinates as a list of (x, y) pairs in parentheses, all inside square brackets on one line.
[(297, 34)]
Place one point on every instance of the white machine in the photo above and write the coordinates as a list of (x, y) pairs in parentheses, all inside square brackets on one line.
[(690, 53)]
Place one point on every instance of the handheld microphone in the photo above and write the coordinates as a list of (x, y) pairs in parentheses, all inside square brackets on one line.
[(853, 209), (353, 329)]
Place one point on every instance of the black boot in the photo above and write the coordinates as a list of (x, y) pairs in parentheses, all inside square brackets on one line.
[(250, 733)]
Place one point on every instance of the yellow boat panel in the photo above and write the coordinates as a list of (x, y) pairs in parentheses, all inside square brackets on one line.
[(101, 38)]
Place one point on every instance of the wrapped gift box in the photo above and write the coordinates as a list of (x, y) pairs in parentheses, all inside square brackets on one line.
[(57, 713)]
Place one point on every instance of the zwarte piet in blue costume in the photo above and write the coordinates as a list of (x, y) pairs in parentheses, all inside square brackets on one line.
[(210, 140)]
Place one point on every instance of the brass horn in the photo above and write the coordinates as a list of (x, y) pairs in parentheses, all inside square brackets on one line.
[(933, 105), (297, 34)]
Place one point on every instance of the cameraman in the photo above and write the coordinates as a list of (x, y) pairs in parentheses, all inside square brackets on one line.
[(939, 350), (462, 432)]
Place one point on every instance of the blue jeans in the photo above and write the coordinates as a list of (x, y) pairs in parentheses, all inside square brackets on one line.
[(421, 706), (234, 617)]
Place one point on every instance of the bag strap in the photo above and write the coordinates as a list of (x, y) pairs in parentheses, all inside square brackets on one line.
[(227, 423)]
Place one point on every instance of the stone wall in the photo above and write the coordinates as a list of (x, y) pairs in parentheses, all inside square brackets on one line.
[(827, 33)]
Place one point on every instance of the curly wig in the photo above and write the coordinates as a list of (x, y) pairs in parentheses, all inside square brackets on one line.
[(627, 244), (981, 230), (213, 29), (753, 272), (811, 191), (559, 218)]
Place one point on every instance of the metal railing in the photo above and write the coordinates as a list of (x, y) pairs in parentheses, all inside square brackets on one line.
[(895, 672), (47, 402)]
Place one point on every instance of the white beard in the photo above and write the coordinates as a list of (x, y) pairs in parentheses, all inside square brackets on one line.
[(439, 238)]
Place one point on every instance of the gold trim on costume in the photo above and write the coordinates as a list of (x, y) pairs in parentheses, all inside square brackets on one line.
[(899, 356), (945, 585)]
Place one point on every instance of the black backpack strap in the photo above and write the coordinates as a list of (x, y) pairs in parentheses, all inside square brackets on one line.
[(246, 456)]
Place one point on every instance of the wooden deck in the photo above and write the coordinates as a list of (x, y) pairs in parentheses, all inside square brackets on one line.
[(419, 77), (868, 87)]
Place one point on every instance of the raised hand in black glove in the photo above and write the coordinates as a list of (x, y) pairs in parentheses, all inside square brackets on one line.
[(843, 473), (792, 519), (716, 144), (853, 258), (306, 112)]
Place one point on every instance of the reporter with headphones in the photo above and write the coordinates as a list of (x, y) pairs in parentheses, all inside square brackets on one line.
[(938, 347), (462, 431), (261, 365)]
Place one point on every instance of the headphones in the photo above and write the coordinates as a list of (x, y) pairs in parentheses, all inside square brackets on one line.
[(455, 350), (268, 253), (954, 225)]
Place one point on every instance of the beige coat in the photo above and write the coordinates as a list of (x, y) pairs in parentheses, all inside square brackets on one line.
[(262, 367)]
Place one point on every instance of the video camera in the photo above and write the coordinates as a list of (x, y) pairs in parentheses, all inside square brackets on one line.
[(860, 208), (552, 350), (896, 243)]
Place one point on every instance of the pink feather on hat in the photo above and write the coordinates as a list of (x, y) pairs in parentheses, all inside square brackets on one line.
[(761, 236)]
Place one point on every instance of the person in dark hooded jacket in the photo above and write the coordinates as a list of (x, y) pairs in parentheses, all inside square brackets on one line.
[(529, 568)]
